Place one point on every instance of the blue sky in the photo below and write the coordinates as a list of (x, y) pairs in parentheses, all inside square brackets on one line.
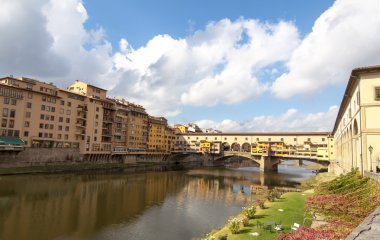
[(233, 65)]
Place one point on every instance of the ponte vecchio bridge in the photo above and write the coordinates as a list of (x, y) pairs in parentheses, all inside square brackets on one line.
[(265, 149)]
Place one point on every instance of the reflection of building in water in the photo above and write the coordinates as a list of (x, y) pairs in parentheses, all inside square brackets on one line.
[(50, 206)]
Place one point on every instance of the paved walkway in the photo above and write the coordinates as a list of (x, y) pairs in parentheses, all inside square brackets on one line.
[(368, 229)]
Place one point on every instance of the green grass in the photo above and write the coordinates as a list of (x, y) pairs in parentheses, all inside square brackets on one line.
[(293, 205)]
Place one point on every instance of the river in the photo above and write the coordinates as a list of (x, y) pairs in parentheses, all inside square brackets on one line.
[(168, 205)]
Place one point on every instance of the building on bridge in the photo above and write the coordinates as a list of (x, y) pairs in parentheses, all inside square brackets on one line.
[(316, 146)]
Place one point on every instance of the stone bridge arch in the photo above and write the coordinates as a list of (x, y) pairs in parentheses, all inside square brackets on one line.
[(226, 146), (235, 147), (246, 147)]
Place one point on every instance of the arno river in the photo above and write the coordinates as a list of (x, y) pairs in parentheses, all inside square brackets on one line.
[(165, 205)]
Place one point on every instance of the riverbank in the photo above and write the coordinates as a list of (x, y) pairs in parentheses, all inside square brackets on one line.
[(287, 210)]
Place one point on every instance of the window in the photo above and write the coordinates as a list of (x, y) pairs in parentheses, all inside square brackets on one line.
[(216, 138), (66, 136), (29, 86), (26, 124), (67, 120), (67, 128), (44, 98), (97, 109), (27, 114), (28, 105), (11, 123), (95, 139), (4, 122), (62, 102), (59, 127), (69, 104), (282, 139), (295, 139), (42, 116), (377, 93), (43, 107), (46, 126), (257, 139), (13, 101), (269, 139), (30, 95), (68, 112), (53, 109), (41, 125), (60, 119), (358, 98), (96, 116), (51, 126), (323, 139), (52, 118), (308, 139), (47, 117), (61, 111), (12, 113), (26, 134), (50, 135), (40, 134), (6, 100), (5, 112)]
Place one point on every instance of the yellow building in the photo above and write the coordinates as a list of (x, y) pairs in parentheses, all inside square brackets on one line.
[(158, 136), (357, 127)]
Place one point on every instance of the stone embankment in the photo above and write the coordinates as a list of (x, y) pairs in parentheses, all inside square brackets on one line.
[(52, 160)]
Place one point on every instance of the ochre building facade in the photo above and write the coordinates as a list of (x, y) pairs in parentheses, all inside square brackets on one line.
[(81, 116)]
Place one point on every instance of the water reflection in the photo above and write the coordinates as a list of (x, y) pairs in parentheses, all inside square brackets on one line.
[(155, 205)]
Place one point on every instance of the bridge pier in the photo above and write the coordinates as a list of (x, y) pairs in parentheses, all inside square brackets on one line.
[(267, 164)]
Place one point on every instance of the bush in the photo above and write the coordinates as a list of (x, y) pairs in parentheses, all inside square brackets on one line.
[(245, 221), (222, 237), (234, 225), (261, 203), (249, 211)]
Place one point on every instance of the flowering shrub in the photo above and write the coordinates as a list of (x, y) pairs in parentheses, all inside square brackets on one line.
[(234, 225), (249, 211), (260, 202), (306, 233), (245, 221)]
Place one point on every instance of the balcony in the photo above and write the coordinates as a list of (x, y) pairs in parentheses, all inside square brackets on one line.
[(80, 125), (82, 108), (82, 133), (82, 117), (108, 119)]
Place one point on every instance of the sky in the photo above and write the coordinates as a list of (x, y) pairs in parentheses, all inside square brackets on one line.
[(249, 66)]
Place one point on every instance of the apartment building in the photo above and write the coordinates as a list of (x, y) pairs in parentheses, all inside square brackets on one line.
[(357, 127), (81, 116), (157, 135)]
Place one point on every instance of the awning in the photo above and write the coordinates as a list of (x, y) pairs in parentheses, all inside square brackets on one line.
[(11, 141)]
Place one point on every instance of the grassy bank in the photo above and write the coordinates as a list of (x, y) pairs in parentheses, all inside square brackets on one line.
[(286, 210), (342, 204)]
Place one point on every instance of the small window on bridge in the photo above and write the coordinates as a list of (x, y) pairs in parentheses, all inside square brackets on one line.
[(216, 138), (269, 139), (282, 139), (257, 139), (246, 139), (225, 138), (323, 139)]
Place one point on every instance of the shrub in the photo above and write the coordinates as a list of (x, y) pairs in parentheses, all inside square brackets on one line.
[(245, 221), (222, 237), (261, 203), (249, 211), (234, 225)]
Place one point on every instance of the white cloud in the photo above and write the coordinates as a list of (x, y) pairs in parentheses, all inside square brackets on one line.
[(345, 36), (292, 120), (217, 64), (223, 63)]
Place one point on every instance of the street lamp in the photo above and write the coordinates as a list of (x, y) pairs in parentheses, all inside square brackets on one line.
[(370, 148)]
